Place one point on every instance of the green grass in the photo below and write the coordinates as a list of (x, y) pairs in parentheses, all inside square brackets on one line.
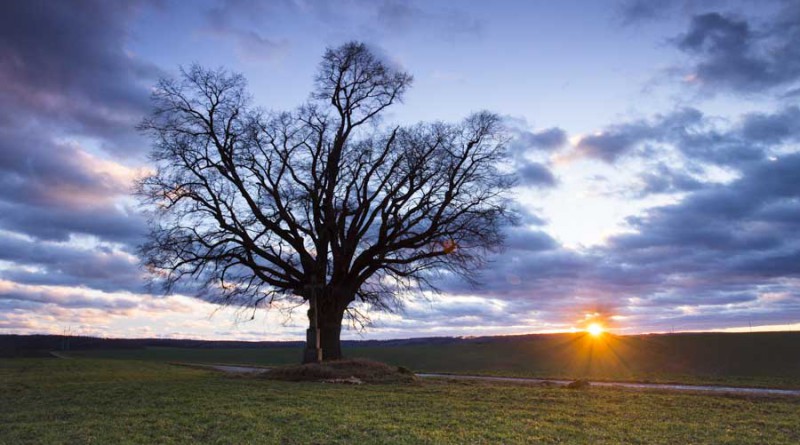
[(121, 401), (250, 356), (759, 360)]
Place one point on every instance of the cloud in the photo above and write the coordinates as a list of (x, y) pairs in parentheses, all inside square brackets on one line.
[(722, 252), (40, 169), (251, 46), (731, 53), (611, 145), (744, 51), (16, 295), (717, 257), (547, 140), (534, 174), (77, 72), (697, 139), (102, 267), (663, 179), (69, 154), (112, 223), (404, 17), (773, 128), (62, 95), (525, 141), (618, 140), (242, 21), (36, 309), (528, 150), (392, 18), (633, 11), (722, 245)]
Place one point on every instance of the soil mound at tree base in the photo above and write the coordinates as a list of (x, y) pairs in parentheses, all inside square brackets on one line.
[(342, 371), (579, 384)]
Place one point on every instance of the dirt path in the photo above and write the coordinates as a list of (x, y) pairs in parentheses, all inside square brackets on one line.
[(235, 369), (659, 386)]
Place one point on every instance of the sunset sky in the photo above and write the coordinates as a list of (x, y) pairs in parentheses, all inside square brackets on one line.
[(656, 145)]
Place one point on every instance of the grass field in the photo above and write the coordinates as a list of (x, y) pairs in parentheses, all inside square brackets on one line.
[(760, 360), (126, 401)]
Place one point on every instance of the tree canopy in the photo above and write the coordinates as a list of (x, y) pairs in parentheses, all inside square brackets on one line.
[(326, 203)]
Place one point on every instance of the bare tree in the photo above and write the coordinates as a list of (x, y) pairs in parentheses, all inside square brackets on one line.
[(324, 204)]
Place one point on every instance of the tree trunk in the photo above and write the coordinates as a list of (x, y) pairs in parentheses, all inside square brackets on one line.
[(328, 322)]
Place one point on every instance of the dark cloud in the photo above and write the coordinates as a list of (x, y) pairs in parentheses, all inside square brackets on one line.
[(618, 140), (46, 263), (742, 52), (545, 140), (533, 266), (525, 145), (637, 10), (663, 179), (696, 138), (611, 145), (528, 240), (723, 239), (76, 299), (71, 85), (38, 169), (72, 96), (633, 11), (731, 53), (112, 223), (534, 174), (66, 62), (549, 139), (526, 217), (524, 141), (773, 128), (646, 12)]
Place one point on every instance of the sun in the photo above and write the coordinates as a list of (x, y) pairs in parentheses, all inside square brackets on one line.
[(595, 329)]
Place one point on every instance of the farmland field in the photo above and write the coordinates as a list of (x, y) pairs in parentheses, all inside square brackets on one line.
[(131, 401), (759, 360)]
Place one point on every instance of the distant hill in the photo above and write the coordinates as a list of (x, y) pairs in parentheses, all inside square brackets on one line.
[(27, 345), (37, 345)]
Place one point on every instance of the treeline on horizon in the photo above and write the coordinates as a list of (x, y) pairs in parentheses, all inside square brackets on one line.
[(765, 342), (22, 345)]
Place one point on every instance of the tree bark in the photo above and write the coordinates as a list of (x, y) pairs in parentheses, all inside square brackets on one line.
[(328, 321)]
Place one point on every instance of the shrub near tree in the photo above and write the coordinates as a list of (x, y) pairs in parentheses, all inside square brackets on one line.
[(326, 204)]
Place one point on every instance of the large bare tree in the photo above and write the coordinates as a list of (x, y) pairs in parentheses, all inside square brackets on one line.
[(326, 204)]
